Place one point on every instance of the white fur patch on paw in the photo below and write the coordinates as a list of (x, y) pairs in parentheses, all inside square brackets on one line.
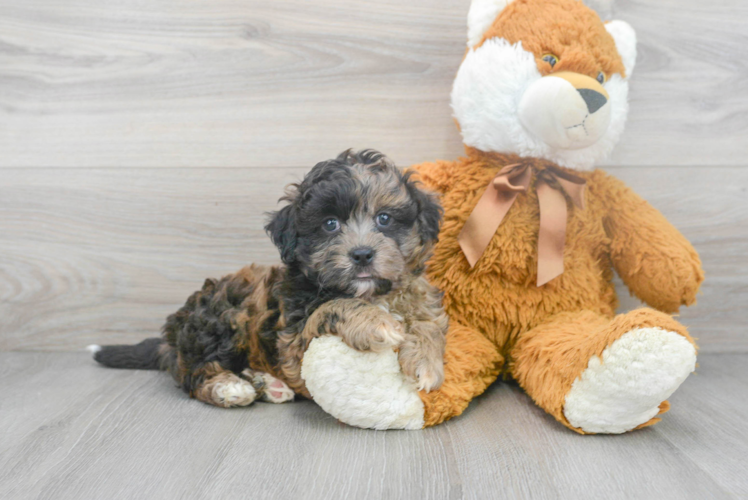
[(276, 390), (387, 337), (237, 392), (429, 379), (93, 348), (624, 389), (362, 389)]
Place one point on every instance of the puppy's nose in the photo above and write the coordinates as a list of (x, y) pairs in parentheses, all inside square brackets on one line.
[(362, 256), (594, 99)]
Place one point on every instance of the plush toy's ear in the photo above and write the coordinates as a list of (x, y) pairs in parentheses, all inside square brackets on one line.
[(282, 230), (481, 16), (625, 38)]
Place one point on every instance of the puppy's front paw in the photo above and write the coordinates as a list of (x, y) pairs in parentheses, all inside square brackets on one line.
[(386, 335), (430, 377), (429, 373), (371, 329)]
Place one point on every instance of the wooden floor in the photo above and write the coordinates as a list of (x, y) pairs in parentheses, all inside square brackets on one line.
[(73, 430)]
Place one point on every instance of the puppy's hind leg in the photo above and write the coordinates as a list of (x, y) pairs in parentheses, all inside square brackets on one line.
[(224, 388), (269, 388)]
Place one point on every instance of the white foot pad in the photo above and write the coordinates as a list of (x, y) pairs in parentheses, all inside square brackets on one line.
[(363, 389), (637, 372)]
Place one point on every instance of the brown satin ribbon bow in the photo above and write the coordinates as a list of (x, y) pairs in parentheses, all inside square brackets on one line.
[(551, 185)]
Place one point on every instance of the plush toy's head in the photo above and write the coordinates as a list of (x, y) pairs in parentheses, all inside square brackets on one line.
[(544, 78)]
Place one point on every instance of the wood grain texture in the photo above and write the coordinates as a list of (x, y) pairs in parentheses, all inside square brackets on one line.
[(89, 432), (104, 255), (255, 83), (710, 207)]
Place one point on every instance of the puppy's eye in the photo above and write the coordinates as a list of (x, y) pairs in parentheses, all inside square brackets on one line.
[(601, 77), (331, 225), (384, 220), (550, 59)]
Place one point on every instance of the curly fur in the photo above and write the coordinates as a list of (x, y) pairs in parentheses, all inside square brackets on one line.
[(262, 318)]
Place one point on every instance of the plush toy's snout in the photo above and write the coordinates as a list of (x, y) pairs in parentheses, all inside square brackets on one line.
[(566, 110)]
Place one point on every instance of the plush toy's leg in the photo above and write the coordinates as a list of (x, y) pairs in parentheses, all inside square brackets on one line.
[(367, 389), (471, 364), (597, 375)]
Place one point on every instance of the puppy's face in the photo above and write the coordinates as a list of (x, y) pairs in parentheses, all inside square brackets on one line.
[(356, 224)]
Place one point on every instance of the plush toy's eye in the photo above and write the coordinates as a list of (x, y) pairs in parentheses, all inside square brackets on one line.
[(601, 77), (550, 59), (331, 225), (384, 220)]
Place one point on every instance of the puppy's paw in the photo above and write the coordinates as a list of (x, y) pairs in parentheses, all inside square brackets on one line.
[(428, 374), (430, 377), (372, 329), (386, 335), (276, 391), (270, 389), (231, 393)]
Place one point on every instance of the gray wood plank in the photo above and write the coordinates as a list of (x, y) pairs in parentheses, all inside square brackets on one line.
[(80, 431), (104, 255), (508, 445), (688, 96), (142, 438), (225, 82), (257, 83), (706, 412), (710, 208)]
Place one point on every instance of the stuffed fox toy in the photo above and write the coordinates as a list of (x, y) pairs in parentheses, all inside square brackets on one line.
[(531, 236)]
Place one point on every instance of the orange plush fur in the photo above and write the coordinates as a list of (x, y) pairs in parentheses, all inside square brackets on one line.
[(502, 323), (573, 33)]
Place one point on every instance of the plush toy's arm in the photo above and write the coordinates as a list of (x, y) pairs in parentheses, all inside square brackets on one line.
[(655, 261), (436, 176)]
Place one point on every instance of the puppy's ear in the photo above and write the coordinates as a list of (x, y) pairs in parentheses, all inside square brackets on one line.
[(429, 213), (282, 229)]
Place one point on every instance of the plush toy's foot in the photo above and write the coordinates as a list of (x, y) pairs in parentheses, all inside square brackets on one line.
[(595, 374), (363, 389), (625, 387)]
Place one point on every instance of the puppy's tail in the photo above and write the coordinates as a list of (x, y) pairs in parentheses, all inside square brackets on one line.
[(150, 354)]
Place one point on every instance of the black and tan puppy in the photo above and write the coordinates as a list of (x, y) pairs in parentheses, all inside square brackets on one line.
[(353, 237)]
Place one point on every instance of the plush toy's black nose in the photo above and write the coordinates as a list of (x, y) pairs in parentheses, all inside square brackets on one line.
[(362, 256), (594, 99)]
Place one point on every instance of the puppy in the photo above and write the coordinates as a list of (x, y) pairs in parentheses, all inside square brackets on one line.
[(354, 237)]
